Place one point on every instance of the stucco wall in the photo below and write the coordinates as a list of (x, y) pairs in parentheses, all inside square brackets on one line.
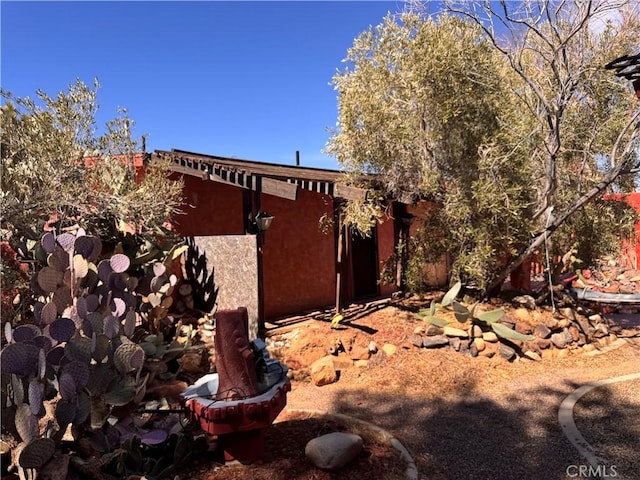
[(435, 274), (386, 246), (234, 258), (210, 208), (298, 259)]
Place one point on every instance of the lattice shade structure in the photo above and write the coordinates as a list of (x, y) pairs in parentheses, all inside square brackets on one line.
[(627, 66)]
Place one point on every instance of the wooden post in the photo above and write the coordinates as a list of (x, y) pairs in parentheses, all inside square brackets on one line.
[(339, 262)]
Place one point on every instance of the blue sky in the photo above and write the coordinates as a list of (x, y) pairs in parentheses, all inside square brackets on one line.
[(240, 79)]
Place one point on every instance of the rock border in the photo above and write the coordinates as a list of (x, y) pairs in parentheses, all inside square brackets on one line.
[(567, 423), (411, 472)]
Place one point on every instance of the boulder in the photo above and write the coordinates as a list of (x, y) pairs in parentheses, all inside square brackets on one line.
[(333, 450), (323, 371)]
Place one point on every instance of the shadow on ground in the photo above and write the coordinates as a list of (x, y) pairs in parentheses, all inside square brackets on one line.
[(472, 437)]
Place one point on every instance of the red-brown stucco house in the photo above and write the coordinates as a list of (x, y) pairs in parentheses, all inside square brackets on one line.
[(296, 265)]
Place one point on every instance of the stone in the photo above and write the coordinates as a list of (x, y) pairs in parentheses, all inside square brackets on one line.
[(419, 330), (415, 340), (543, 343), (476, 331), (601, 331), (373, 348), (486, 353), (596, 318), (342, 362), (568, 313), (551, 323), (490, 337), (524, 328), (506, 352), (361, 353), (323, 371), (479, 343), (583, 324), (361, 363), (564, 323), (390, 349), (434, 330), (435, 341), (455, 332), (455, 342), (333, 450), (526, 301), (575, 333), (473, 350), (561, 339), (542, 331), (530, 354)]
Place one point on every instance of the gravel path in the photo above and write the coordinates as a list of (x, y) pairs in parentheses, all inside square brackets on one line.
[(501, 424)]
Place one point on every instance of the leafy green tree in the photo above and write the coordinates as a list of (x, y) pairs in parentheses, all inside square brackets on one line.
[(57, 164), (501, 131)]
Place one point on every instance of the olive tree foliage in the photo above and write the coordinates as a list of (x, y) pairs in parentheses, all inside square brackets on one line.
[(586, 136), (512, 128), (58, 165), (421, 103)]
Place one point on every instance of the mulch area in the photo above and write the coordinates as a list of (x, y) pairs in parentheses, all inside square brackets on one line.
[(284, 457)]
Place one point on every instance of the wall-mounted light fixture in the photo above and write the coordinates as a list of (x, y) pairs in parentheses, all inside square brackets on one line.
[(407, 219), (263, 221)]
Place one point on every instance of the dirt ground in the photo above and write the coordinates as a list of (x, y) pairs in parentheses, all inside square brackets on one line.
[(459, 417)]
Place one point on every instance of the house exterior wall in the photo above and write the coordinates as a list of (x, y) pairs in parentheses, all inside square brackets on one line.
[(630, 248), (387, 239), (436, 274), (210, 208), (298, 259)]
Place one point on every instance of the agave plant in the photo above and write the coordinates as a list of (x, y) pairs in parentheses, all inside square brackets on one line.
[(490, 319)]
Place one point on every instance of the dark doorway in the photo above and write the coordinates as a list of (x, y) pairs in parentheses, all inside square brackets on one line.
[(364, 264)]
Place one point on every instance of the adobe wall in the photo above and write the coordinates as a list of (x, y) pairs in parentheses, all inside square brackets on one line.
[(210, 208), (386, 247), (298, 259)]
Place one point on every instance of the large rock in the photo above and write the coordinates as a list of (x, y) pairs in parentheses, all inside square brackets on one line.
[(333, 450), (323, 371)]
